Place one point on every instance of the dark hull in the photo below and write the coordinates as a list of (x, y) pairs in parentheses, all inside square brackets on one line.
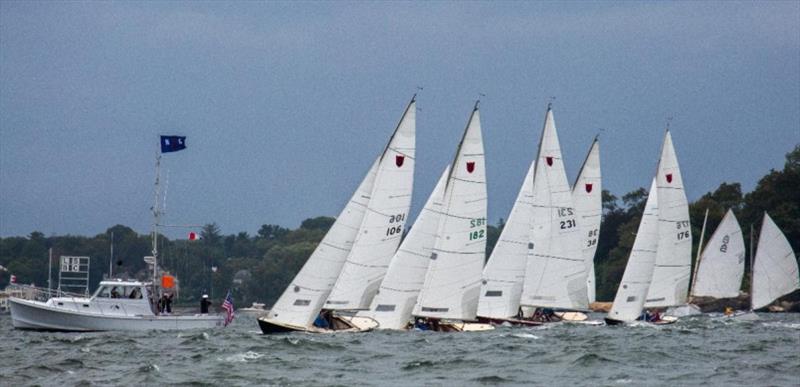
[(270, 328), (611, 321)]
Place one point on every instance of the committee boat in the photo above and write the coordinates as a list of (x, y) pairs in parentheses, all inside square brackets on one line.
[(115, 306)]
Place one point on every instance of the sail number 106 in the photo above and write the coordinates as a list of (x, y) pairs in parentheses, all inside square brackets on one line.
[(393, 230)]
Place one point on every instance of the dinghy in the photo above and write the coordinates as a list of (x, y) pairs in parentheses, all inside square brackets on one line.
[(393, 304), (372, 221), (555, 272), (448, 299)]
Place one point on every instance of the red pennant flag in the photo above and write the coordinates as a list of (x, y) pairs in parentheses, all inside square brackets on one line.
[(549, 161), (669, 178), (193, 236), (588, 188), (470, 166), (13, 279), (398, 160)]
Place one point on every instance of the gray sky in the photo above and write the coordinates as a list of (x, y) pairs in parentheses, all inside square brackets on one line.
[(286, 104)]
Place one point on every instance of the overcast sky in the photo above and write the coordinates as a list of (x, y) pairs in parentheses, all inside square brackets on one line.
[(285, 105)]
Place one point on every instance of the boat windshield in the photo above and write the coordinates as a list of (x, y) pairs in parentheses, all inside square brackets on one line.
[(119, 291)]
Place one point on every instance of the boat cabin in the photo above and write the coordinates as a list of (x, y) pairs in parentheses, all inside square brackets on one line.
[(112, 297)]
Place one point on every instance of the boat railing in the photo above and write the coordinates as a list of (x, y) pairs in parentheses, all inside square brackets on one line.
[(35, 293)]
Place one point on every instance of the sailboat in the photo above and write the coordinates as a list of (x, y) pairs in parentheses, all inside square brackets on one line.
[(555, 273), (632, 290), (398, 293), (670, 283), (587, 194), (342, 273), (448, 299), (775, 270), (720, 267)]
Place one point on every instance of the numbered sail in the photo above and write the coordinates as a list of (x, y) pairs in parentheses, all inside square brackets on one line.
[(452, 283), (587, 194), (302, 300), (775, 270), (393, 304), (721, 266), (670, 284), (630, 297), (504, 273), (555, 274), (384, 220)]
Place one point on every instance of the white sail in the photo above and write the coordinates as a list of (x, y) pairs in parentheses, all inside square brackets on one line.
[(452, 283), (775, 270), (302, 300), (393, 304), (670, 284), (587, 194), (555, 274), (632, 290), (504, 272), (384, 221), (721, 266)]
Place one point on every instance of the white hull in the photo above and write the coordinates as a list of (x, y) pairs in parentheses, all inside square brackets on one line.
[(39, 316), (684, 311)]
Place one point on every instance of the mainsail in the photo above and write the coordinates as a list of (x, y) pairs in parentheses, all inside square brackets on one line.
[(393, 304), (775, 271), (382, 228), (555, 274), (670, 284), (503, 275), (721, 266), (587, 194), (302, 300), (635, 282), (452, 283)]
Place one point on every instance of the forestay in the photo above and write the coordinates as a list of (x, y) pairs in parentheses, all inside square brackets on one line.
[(384, 220), (670, 284), (302, 300), (555, 273), (587, 194), (632, 290), (721, 267), (775, 271), (393, 304), (452, 283), (503, 275)]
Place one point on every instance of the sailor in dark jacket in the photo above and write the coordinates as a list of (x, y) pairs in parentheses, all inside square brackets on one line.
[(204, 304)]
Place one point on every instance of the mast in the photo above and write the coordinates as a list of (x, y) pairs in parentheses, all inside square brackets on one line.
[(49, 271), (156, 219), (699, 250), (111, 258), (752, 260)]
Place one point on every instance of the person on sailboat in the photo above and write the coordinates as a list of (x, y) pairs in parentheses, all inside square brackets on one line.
[(322, 320), (204, 304)]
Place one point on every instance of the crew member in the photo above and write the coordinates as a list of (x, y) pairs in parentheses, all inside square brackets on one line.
[(204, 304)]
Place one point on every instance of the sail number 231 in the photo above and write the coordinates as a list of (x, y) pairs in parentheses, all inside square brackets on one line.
[(477, 234)]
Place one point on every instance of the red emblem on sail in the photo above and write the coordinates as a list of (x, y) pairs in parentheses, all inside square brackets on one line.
[(398, 160), (470, 166), (588, 188), (549, 161), (669, 178)]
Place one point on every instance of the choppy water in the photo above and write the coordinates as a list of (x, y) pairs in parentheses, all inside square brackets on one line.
[(691, 352)]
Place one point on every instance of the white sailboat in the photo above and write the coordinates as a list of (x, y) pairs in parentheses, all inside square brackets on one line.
[(555, 275), (587, 194), (670, 283), (501, 285), (720, 268), (300, 304), (630, 297), (449, 296), (398, 293), (775, 270)]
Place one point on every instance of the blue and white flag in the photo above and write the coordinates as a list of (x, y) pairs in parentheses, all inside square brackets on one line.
[(172, 143)]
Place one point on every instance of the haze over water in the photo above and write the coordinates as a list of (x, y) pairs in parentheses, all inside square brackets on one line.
[(707, 351)]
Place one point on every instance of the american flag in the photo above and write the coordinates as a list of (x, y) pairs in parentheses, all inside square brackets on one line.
[(228, 306)]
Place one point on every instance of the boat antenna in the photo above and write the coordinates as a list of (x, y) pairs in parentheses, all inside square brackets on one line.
[(111, 258)]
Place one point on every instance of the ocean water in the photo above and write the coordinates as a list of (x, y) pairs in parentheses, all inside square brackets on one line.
[(695, 351)]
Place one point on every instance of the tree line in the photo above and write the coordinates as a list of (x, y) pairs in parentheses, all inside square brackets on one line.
[(259, 267)]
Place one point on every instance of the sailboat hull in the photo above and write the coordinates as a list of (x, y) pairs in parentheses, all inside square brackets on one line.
[(509, 321), (341, 324)]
